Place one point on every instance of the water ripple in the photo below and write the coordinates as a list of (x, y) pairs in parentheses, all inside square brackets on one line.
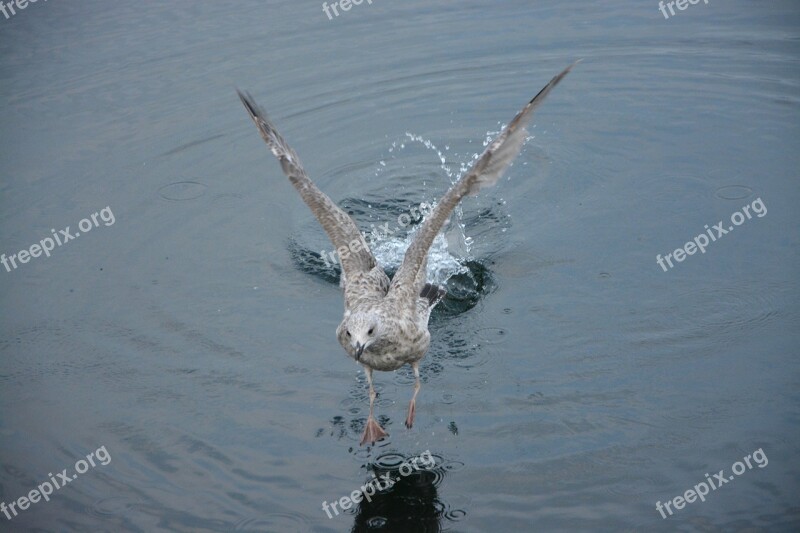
[(181, 191)]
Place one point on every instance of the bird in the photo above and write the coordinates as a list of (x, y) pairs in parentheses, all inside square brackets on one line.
[(385, 322)]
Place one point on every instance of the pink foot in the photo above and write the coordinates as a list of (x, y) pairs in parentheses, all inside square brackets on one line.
[(373, 432)]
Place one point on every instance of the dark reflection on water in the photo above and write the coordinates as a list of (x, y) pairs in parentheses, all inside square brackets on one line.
[(409, 499)]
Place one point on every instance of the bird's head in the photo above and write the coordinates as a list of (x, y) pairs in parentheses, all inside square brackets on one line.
[(358, 331)]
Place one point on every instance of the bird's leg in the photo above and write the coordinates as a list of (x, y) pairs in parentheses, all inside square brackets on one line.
[(412, 406), (373, 431)]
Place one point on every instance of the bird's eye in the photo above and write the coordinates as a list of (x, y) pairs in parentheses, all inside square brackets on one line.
[(347, 332), (370, 331)]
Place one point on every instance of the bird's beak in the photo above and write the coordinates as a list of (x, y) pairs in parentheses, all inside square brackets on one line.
[(359, 350)]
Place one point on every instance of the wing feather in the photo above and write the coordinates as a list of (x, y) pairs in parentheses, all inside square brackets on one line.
[(340, 227), (485, 172)]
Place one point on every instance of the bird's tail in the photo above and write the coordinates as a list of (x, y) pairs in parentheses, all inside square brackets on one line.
[(434, 294)]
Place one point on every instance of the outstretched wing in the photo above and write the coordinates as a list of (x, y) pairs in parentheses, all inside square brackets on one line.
[(485, 172), (339, 226)]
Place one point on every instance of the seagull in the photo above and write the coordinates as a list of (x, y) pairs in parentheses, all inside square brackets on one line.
[(385, 323)]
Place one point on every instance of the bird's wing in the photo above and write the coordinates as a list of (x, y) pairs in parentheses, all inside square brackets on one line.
[(339, 226), (484, 172)]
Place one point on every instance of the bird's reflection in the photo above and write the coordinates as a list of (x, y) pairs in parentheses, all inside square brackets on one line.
[(405, 495)]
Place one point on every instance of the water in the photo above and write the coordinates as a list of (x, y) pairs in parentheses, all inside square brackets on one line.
[(571, 384)]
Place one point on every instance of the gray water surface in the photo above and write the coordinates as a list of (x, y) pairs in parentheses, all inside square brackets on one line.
[(572, 383)]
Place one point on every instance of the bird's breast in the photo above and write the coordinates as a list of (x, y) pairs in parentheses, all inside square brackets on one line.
[(391, 356)]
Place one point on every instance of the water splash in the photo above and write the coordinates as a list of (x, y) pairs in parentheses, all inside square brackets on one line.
[(442, 265), (450, 251), (391, 217)]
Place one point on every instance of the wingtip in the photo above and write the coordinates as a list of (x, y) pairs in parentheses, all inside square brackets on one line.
[(244, 97), (252, 107), (547, 88), (557, 78), (573, 65)]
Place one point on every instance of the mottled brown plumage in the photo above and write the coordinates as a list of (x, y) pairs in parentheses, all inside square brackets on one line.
[(385, 324)]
